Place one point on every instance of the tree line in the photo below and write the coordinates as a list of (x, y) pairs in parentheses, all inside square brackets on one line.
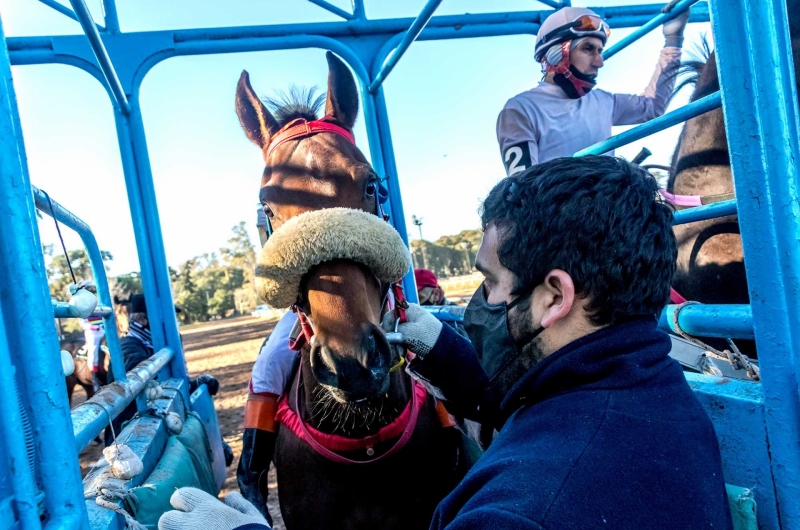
[(222, 284)]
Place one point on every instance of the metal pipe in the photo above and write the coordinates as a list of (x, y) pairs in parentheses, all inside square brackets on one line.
[(93, 415), (99, 49), (147, 229), (358, 10), (110, 16), (756, 73), (721, 321), (64, 310), (708, 211), (13, 438), (410, 36), (25, 305), (696, 108), (332, 9), (64, 10), (657, 21), (72, 221)]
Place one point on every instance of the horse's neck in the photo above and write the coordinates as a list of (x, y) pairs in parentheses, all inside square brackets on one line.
[(321, 411), (701, 159)]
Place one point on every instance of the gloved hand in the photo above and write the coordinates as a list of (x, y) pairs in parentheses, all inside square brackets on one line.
[(420, 331), (210, 381), (673, 30), (195, 508)]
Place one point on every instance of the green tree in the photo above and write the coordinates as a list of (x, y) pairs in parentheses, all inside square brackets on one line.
[(58, 275)]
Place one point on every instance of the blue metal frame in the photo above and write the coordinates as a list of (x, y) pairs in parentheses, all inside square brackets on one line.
[(756, 79), (105, 310)]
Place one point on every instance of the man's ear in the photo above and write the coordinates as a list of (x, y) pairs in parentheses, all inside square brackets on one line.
[(556, 297)]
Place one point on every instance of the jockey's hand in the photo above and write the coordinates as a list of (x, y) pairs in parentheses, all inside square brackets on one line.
[(673, 29), (195, 508), (420, 330)]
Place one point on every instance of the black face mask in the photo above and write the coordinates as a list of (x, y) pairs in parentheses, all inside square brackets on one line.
[(487, 327), (577, 85)]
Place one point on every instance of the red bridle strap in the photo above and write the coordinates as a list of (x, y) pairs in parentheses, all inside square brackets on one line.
[(301, 128)]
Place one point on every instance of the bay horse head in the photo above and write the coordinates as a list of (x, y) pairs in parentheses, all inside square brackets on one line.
[(342, 298)]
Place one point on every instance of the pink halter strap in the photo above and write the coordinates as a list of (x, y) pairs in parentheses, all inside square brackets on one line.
[(301, 128)]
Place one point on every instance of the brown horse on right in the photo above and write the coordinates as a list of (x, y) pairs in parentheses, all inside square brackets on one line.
[(710, 255), (345, 387)]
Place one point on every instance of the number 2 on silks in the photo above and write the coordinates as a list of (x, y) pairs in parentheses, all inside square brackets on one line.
[(517, 158)]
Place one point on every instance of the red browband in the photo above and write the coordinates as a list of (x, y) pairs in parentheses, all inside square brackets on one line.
[(304, 128)]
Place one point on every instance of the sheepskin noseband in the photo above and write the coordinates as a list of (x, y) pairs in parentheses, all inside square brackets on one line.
[(315, 237)]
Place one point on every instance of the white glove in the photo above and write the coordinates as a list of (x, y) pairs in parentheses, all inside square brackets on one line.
[(673, 30), (420, 330), (196, 509)]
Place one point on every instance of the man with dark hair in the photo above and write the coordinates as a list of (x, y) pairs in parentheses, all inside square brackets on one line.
[(597, 425)]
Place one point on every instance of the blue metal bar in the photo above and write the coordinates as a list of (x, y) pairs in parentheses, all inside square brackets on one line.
[(99, 49), (110, 16), (149, 239), (333, 9), (25, 305), (64, 10), (92, 416), (70, 220), (659, 20), (721, 321), (708, 211), (410, 36), (13, 439), (358, 10), (701, 106), (757, 79), (63, 310)]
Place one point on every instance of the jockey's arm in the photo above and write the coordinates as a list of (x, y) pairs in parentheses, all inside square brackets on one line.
[(517, 137)]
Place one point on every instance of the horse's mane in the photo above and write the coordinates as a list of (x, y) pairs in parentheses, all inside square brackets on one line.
[(690, 69), (297, 102)]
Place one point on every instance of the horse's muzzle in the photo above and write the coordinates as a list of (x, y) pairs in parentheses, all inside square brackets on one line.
[(353, 375)]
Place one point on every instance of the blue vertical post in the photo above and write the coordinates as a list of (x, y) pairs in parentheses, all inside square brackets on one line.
[(147, 230), (760, 104), (378, 106), (110, 15), (25, 305), (358, 10)]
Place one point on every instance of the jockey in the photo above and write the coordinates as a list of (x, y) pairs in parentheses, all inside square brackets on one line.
[(93, 333), (563, 114), (430, 293)]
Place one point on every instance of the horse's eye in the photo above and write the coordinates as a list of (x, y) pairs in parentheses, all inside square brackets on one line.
[(370, 191), (268, 211)]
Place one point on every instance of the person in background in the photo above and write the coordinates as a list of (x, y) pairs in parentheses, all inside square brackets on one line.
[(564, 113), (93, 333), (430, 293)]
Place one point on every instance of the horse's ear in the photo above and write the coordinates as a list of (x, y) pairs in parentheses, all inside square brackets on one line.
[(342, 102), (256, 120)]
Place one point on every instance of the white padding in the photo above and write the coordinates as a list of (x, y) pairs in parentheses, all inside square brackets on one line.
[(315, 237)]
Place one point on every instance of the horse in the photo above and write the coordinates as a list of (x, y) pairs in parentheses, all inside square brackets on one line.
[(340, 383), (82, 375), (710, 254)]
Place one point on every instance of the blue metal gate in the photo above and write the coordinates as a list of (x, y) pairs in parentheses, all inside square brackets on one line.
[(758, 424)]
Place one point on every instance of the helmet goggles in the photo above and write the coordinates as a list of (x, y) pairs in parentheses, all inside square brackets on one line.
[(583, 26)]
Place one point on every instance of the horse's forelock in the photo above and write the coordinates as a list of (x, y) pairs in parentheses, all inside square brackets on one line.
[(297, 102)]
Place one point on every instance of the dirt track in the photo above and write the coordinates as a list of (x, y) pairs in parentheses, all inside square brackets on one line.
[(226, 350)]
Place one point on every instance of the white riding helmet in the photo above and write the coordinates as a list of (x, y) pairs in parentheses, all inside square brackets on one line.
[(566, 24)]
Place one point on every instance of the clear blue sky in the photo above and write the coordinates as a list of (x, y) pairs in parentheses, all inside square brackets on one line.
[(443, 101)]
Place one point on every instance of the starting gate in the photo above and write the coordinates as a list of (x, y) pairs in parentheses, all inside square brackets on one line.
[(758, 423)]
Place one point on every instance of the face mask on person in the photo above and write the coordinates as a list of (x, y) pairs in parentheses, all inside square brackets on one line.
[(574, 83), (487, 327)]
